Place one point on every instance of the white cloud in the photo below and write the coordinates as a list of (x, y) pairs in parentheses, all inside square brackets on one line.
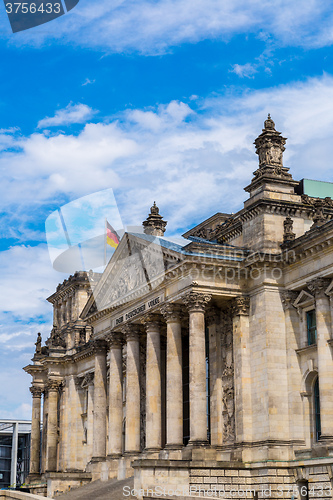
[(192, 162), (88, 82), (155, 27), (73, 113), (244, 70)]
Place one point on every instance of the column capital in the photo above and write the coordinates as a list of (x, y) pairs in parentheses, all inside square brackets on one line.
[(99, 345), (151, 320), (115, 340), (241, 306), (318, 287), (36, 391), (131, 332), (53, 385), (196, 301), (171, 312), (288, 298)]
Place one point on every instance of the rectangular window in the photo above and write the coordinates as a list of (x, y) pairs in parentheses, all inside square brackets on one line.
[(311, 327)]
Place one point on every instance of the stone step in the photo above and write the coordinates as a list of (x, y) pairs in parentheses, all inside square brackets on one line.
[(101, 490)]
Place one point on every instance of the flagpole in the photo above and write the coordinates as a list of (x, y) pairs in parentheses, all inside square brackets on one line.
[(106, 235)]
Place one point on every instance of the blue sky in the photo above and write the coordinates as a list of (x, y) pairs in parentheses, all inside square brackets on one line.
[(157, 100)]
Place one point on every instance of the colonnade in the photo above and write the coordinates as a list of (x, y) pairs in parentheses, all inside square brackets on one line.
[(112, 445)]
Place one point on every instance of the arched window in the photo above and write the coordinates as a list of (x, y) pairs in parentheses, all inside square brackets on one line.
[(316, 405)]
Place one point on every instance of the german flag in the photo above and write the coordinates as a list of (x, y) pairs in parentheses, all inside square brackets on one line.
[(112, 238)]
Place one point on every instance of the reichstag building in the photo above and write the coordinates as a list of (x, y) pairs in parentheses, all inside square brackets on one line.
[(207, 365)]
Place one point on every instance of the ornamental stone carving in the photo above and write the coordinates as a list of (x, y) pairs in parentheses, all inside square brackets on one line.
[(270, 145), (195, 301), (151, 320), (171, 312), (131, 332), (319, 216), (99, 345), (38, 344), (288, 298), (228, 409), (288, 234), (36, 391), (154, 224), (53, 385), (318, 286), (241, 306), (115, 340)]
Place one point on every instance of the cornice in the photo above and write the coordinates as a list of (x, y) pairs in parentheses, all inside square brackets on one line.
[(233, 226)]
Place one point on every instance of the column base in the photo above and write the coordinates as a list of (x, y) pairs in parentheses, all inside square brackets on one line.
[(34, 476), (151, 453), (199, 450), (113, 455), (171, 452), (171, 446), (97, 459), (131, 453), (198, 443), (325, 439)]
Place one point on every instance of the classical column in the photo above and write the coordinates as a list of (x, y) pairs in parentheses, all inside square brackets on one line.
[(174, 377), (215, 376), (36, 392), (196, 303), (242, 364), (132, 428), (99, 423), (52, 425), (325, 363), (115, 395), (153, 384)]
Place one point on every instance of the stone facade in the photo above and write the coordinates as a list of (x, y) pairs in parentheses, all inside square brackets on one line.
[(203, 369)]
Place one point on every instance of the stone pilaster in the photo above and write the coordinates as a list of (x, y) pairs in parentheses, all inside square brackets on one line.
[(115, 396), (52, 425), (99, 424), (242, 367), (153, 383), (196, 304), (35, 429), (292, 322), (132, 428), (174, 376), (325, 364)]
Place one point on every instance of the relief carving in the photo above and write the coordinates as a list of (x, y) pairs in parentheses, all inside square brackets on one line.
[(228, 410)]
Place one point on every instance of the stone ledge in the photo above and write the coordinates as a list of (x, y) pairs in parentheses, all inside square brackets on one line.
[(67, 475)]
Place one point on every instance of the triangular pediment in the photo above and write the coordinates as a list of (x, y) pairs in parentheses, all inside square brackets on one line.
[(304, 299), (136, 268)]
